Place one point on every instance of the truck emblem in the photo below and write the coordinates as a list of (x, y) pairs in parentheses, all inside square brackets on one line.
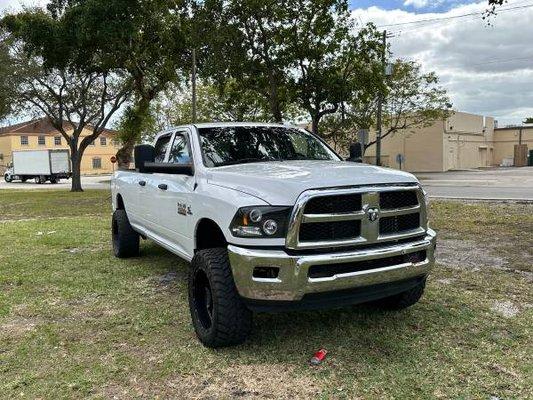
[(184, 209), (373, 214)]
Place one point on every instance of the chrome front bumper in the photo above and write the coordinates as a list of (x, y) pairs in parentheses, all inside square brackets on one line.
[(293, 281)]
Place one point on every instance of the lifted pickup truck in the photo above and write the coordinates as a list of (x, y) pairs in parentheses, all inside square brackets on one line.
[(271, 218)]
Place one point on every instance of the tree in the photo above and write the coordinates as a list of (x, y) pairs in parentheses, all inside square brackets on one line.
[(145, 39), (413, 100), (528, 120), (49, 83), (243, 40), (330, 63), (6, 81)]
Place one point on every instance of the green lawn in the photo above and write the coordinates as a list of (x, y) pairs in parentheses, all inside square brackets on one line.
[(76, 322)]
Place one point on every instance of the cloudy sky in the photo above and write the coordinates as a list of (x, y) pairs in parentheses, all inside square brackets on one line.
[(486, 68)]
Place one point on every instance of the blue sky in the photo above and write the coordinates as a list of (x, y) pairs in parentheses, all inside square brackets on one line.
[(418, 6)]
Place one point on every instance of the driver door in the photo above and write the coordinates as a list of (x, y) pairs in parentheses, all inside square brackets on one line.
[(175, 194)]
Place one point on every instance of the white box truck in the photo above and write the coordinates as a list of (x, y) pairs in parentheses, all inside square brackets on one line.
[(40, 165)]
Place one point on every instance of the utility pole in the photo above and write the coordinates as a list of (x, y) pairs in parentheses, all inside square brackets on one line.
[(380, 103), (193, 85)]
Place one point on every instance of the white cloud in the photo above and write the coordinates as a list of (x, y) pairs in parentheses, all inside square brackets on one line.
[(17, 5), (416, 3), (487, 69)]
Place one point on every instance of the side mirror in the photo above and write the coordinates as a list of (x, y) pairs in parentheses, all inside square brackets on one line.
[(169, 168), (143, 153), (356, 152)]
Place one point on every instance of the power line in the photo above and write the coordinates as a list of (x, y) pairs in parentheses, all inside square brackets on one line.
[(451, 17)]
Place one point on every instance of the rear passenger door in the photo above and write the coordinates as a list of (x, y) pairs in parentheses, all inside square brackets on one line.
[(175, 201), (147, 186)]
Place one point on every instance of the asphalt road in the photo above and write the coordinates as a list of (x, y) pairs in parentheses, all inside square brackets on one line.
[(487, 184), (87, 182)]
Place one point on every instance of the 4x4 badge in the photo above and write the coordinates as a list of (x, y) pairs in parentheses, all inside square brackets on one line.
[(373, 214)]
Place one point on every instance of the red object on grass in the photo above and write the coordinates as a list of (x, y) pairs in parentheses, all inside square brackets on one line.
[(319, 357)]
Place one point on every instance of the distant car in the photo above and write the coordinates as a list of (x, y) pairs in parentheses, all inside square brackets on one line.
[(39, 165), (273, 219)]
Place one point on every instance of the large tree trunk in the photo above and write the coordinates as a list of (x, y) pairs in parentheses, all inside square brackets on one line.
[(76, 171), (275, 107), (315, 120)]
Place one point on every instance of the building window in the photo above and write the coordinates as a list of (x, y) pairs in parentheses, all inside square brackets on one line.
[(103, 141), (41, 140), (57, 140), (115, 142), (97, 163), (92, 143), (24, 140)]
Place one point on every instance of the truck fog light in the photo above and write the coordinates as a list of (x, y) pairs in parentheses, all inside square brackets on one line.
[(245, 231), (256, 215), (270, 227)]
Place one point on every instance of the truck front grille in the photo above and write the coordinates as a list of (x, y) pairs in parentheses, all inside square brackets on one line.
[(365, 215), (334, 204), (397, 199), (399, 223), (339, 230)]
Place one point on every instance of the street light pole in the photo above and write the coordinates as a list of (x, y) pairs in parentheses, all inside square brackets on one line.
[(380, 103)]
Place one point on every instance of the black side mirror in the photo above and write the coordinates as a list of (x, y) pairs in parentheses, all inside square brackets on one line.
[(169, 168), (143, 153), (356, 152)]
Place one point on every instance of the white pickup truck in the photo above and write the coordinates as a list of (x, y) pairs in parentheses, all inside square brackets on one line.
[(271, 218)]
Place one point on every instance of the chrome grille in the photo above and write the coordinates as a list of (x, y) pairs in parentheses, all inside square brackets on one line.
[(363, 215)]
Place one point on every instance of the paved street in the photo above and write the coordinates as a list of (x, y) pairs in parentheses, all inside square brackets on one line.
[(487, 184), (87, 182)]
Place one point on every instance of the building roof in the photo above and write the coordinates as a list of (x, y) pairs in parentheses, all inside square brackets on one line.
[(38, 125), (514, 128)]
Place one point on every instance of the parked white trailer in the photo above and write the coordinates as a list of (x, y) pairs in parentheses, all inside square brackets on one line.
[(40, 165)]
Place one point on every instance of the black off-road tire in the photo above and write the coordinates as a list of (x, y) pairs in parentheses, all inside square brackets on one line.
[(8, 178), (402, 300), (227, 321), (125, 239)]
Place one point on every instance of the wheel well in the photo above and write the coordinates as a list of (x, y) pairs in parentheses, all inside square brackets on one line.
[(120, 202), (209, 235)]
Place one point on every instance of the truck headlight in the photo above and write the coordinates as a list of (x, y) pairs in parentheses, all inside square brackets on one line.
[(261, 221)]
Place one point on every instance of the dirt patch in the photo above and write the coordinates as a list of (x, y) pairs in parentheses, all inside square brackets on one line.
[(457, 253), (473, 255), (15, 327), (266, 381), (505, 309)]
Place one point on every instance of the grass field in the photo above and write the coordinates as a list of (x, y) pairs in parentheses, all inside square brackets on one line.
[(76, 322)]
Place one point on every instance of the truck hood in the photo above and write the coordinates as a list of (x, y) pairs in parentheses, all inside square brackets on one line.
[(281, 182)]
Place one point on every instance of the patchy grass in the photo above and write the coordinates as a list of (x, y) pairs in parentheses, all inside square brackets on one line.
[(20, 204), (76, 322)]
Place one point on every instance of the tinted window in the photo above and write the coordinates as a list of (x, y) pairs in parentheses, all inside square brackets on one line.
[(161, 148), (179, 152), (242, 144)]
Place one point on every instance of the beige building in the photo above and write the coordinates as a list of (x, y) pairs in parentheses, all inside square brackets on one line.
[(461, 141), (39, 134)]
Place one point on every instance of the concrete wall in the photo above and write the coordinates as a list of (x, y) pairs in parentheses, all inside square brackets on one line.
[(506, 138), (468, 141), (421, 148), (11, 141)]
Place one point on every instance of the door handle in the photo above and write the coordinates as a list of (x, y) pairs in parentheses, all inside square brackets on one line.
[(162, 186), (142, 183)]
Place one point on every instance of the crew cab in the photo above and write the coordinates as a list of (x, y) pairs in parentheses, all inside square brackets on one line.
[(271, 218)]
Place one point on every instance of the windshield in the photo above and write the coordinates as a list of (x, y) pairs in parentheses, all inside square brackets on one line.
[(244, 144)]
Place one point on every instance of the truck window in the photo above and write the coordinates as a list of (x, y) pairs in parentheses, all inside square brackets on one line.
[(161, 147), (179, 152)]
